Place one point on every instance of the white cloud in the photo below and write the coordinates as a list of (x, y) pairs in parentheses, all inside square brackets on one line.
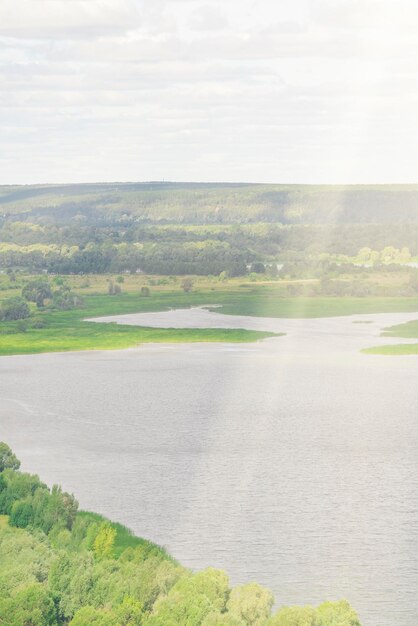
[(208, 17), (55, 19), (314, 90)]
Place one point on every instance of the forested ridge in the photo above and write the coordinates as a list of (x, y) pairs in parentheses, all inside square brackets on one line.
[(214, 202), (201, 229), (60, 566)]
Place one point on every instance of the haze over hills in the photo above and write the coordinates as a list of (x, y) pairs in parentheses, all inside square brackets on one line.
[(206, 203)]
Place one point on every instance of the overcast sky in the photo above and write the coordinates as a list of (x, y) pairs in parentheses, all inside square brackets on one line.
[(223, 90)]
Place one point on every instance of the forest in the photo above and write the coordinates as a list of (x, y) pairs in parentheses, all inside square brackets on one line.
[(62, 566), (179, 229)]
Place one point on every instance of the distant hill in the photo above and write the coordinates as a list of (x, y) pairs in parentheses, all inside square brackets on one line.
[(211, 203)]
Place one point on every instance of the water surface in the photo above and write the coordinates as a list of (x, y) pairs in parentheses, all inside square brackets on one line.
[(292, 461)]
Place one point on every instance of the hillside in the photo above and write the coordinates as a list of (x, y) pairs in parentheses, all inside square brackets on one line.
[(204, 203)]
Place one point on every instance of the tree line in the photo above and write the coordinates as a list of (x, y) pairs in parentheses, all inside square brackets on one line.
[(129, 246), (60, 566), (39, 290)]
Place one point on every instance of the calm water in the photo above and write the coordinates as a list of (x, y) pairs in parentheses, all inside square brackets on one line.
[(293, 461)]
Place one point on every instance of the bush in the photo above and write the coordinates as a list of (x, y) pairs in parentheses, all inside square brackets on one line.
[(113, 289), (22, 326), (8, 460), (187, 285), (14, 309), (37, 291), (38, 322), (258, 267), (65, 300), (30, 606)]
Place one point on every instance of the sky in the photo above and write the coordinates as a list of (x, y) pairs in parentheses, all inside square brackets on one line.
[(285, 91)]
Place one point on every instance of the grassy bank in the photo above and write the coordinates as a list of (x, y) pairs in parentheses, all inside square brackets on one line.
[(65, 334), (62, 331), (65, 331), (61, 567), (408, 330), (125, 538), (259, 300), (396, 350), (264, 302)]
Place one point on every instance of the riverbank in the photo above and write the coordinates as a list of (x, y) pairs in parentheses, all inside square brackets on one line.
[(294, 440), (62, 567), (409, 330), (61, 331)]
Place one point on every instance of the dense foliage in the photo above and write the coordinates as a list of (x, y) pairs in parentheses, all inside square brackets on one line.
[(63, 567), (198, 229), (195, 203), (15, 308)]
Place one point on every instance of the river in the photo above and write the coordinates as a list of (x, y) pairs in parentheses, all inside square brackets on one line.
[(292, 461)]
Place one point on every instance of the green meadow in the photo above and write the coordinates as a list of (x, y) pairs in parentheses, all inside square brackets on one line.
[(67, 331), (396, 350), (408, 331), (62, 331)]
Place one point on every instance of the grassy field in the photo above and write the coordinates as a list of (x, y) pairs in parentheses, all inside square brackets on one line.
[(68, 330), (4, 521), (266, 303), (408, 330), (65, 331), (113, 337), (396, 350)]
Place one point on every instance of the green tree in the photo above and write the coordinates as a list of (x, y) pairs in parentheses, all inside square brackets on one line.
[(327, 614), (130, 612), (31, 606), (336, 614), (14, 309), (59, 508), (258, 267), (187, 285), (192, 599), (104, 543), (8, 460), (21, 514), (294, 616), (17, 486), (112, 289), (11, 274), (65, 299), (389, 254), (89, 616), (71, 580), (413, 281), (37, 291), (251, 604)]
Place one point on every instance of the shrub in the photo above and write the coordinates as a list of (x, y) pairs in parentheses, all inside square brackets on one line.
[(187, 285), (14, 309)]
